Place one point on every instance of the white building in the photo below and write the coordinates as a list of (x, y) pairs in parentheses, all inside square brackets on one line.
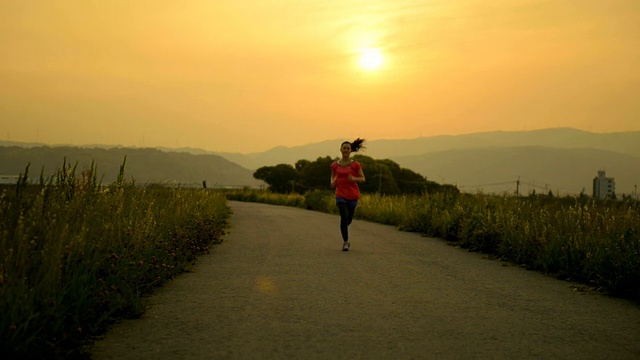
[(603, 187), (9, 179)]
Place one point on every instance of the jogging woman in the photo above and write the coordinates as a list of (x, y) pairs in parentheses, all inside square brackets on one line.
[(345, 175)]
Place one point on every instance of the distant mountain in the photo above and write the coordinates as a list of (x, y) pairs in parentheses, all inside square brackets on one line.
[(284, 155), (143, 165), (561, 138), (562, 160), (539, 169)]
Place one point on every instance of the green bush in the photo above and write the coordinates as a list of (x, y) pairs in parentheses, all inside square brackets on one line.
[(267, 197), (320, 200)]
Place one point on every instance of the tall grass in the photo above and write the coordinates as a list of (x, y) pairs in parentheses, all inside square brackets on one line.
[(76, 255), (267, 197), (593, 241)]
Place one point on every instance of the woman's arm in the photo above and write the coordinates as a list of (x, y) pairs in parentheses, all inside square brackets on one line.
[(359, 178)]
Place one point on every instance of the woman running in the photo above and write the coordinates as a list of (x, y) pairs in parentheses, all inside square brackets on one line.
[(345, 175)]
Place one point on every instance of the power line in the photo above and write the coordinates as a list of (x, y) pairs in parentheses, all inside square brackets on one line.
[(518, 185), (491, 184)]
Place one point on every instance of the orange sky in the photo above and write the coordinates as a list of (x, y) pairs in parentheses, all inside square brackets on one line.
[(249, 75)]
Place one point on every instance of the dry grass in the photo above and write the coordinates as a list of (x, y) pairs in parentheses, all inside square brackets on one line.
[(75, 255)]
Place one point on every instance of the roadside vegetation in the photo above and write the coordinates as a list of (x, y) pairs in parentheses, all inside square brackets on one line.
[(596, 242), (76, 255)]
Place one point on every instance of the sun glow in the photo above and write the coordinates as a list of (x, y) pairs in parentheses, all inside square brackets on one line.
[(371, 59)]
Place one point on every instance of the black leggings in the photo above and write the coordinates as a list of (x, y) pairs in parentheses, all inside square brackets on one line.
[(346, 216)]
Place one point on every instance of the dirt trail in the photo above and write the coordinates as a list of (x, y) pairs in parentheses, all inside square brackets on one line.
[(280, 288)]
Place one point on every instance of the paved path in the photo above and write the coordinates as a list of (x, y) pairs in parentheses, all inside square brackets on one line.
[(280, 288)]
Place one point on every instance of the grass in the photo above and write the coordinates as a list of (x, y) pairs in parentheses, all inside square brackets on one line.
[(249, 195), (596, 242), (75, 256)]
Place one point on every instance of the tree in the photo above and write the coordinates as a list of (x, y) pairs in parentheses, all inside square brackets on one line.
[(314, 175), (408, 181), (301, 164), (433, 187), (379, 177), (383, 177), (281, 178), (583, 194)]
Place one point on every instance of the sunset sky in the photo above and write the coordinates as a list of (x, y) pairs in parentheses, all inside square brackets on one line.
[(250, 75)]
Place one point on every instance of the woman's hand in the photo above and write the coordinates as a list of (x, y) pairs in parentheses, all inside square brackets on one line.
[(357, 178)]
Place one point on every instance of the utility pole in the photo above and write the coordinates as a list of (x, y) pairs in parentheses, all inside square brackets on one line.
[(635, 191), (518, 187)]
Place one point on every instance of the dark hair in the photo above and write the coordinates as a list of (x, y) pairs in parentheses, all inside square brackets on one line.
[(356, 145)]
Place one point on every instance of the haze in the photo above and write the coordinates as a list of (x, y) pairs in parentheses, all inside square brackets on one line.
[(249, 75)]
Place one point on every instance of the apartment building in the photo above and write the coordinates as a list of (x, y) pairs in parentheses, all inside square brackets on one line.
[(603, 186)]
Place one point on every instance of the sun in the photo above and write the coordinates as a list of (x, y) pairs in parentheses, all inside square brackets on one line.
[(371, 59)]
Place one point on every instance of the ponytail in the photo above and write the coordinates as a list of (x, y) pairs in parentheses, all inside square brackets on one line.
[(357, 145)]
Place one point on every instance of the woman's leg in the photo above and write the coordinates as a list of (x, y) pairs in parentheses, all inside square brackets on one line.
[(352, 209), (345, 219)]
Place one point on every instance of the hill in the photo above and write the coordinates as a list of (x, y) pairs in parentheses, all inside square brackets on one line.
[(539, 169), (562, 160), (144, 165), (561, 138)]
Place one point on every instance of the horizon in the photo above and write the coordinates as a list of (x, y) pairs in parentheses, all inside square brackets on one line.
[(563, 159), (246, 77), (88, 145)]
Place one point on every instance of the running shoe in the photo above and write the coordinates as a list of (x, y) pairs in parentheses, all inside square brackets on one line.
[(345, 246)]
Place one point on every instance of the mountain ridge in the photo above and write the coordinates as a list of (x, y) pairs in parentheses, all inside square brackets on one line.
[(142, 165), (537, 168), (565, 159), (622, 142), (627, 142)]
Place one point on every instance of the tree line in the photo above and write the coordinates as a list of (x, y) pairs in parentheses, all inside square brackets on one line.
[(383, 176)]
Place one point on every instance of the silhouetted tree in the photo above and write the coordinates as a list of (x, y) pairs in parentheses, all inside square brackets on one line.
[(383, 176), (408, 181), (434, 187), (379, 177), (301, 164), (314, 175), (281, 178)]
